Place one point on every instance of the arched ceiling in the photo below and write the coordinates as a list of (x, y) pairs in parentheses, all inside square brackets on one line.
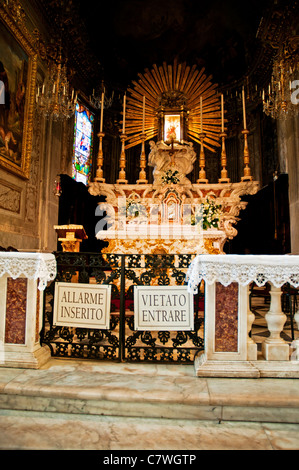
[(114, 40), (132, 35)]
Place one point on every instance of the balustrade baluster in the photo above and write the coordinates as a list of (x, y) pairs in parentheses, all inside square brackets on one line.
[(275, 348)]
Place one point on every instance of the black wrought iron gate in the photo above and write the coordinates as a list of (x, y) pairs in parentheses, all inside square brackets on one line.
[(121, 342)]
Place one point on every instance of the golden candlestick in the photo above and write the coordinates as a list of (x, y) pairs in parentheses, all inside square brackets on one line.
[(122, 162), (224, 178), (247, 174), (142, 173), (99, 173), (202, 162)]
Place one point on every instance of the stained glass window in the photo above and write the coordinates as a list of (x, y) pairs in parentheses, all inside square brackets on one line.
[(83, 144)]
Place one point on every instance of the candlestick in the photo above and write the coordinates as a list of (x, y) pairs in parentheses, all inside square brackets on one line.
[(222, 115), (142, 173), (122, 162), (99, 175), (244, 111), (247, 173), (202, 163), (102, 110), (124, 114), (224, 178)]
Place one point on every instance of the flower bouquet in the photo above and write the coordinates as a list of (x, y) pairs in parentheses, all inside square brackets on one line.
[(207, 214)]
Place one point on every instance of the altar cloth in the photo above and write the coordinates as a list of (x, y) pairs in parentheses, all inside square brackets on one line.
[(40, 266), (244, 269)]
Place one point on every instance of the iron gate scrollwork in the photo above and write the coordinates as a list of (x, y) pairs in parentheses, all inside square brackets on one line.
[(121, 342)]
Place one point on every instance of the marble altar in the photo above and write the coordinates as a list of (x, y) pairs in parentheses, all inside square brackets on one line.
[(167, 216)]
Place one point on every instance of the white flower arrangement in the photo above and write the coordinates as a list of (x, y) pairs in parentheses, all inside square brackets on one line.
[(208, 214), (135, 210)]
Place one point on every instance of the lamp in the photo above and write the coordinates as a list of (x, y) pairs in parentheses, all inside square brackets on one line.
[(54, 99), (96, 99), (279, 100), (57, 187)]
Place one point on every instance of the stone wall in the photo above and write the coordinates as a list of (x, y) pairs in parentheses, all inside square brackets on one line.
[(28, 206), (288, 144)]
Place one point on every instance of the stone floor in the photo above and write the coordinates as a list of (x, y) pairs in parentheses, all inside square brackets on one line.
[(122, 407), (80, 405)]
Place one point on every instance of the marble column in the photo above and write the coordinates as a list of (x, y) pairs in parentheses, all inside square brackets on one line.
[(226, 333)]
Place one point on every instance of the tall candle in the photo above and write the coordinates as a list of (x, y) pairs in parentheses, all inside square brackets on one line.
[(222, 115), (102, 110), (124, 114), (244, 111), (201, 114), (143, 115)]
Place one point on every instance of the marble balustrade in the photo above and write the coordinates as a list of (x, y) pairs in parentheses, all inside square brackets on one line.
[(229, 348)]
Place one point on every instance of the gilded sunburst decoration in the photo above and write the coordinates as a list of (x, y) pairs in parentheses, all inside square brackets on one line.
[(168, 86)]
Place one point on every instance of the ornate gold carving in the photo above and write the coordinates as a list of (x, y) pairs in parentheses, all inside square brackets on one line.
[(172, 85), (12, 16), (162, 246)]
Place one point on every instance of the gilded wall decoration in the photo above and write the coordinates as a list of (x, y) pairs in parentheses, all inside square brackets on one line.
[(18, 65)]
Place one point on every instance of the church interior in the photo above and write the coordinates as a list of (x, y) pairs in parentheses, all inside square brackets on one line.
[(149, 145)]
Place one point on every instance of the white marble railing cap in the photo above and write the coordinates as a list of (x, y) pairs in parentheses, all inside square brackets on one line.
[(40, 266), (244, 269)]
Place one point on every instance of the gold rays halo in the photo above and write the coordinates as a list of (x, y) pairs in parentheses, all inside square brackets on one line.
[(181, 78)]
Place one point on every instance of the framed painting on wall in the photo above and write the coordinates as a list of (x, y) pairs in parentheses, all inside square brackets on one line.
[(18, 65)]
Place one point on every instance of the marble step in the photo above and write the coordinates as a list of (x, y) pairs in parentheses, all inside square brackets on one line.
[(120, 437), (146, 391)]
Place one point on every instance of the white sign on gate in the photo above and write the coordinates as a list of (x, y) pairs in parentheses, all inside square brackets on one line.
[(82, 305), (163, 308)]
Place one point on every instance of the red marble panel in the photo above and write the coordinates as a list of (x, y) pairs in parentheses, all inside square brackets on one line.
[(226, 318), (16, 300)]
